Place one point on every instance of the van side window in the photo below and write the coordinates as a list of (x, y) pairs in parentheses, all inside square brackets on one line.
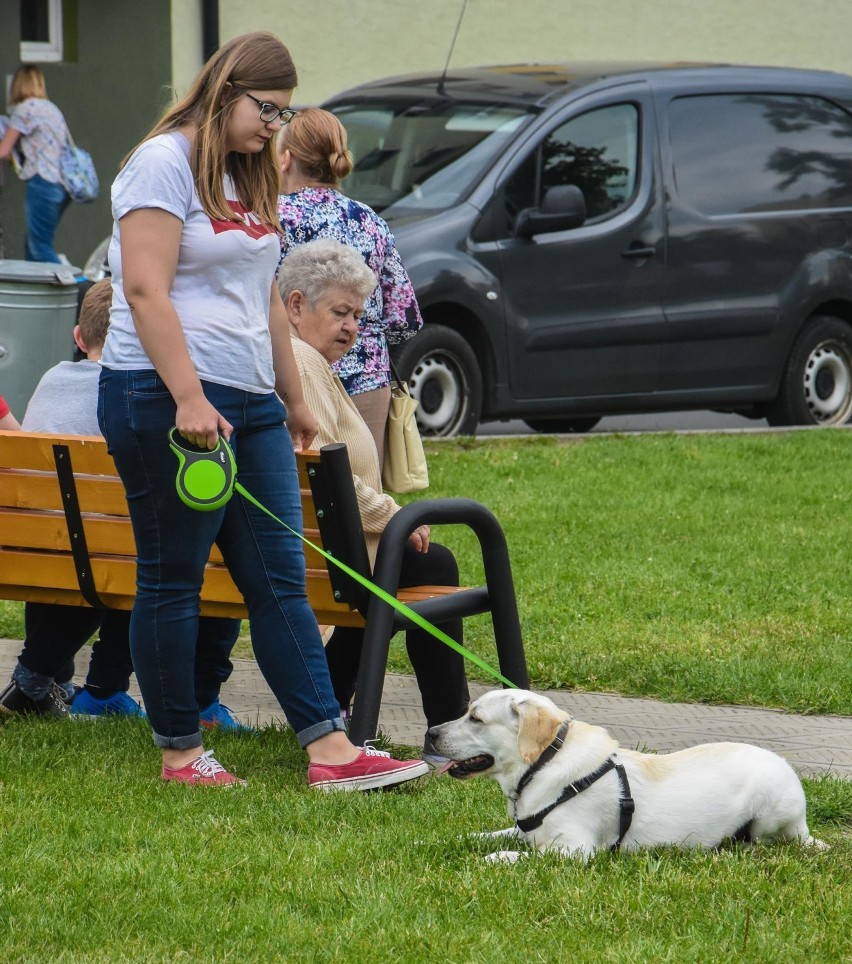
[(780, 153), (597, 152)]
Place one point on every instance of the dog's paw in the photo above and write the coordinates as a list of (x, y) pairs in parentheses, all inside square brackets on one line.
[(494, 834), (505, 857), (816, 843)]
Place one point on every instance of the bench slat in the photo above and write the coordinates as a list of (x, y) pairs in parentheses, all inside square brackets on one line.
[(46, 577), (104, 535), (32, 450)]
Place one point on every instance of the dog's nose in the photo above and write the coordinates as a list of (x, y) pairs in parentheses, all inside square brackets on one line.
[(433, 731)]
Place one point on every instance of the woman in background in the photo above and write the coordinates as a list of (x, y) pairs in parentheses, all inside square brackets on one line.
[(324, 285), (314, 160), (38, 131)]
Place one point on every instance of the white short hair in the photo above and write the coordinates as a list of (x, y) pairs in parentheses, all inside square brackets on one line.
[(316, 267)]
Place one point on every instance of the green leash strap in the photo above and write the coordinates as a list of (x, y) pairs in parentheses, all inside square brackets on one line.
[(385, 596)]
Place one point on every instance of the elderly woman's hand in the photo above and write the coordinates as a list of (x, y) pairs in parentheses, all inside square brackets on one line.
[(420, 539)]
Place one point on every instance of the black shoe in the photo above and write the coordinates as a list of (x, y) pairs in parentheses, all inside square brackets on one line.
[(14, 700)]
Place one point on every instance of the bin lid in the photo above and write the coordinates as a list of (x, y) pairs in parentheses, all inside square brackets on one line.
[(39, 272)]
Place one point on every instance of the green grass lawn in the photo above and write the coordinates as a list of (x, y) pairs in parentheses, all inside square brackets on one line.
[(99, 861), (713, 568), (687, 568)]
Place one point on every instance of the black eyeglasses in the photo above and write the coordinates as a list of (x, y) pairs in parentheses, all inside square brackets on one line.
[(270, 113)]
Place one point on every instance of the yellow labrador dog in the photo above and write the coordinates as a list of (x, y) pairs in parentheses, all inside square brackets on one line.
[(571, 788)]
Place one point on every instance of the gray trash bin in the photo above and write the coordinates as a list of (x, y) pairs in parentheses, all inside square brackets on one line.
[(38, 310)]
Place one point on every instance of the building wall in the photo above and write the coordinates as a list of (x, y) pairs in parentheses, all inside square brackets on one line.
[(110, 93), (337, 43)]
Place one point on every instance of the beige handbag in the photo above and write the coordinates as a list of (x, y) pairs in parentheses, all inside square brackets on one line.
[(405, 461)]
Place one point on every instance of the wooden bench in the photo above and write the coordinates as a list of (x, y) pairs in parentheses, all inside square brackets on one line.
[(65, 537)]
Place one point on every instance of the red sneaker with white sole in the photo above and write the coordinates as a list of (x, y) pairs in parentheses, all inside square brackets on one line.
[(205, 771), (370, 770)]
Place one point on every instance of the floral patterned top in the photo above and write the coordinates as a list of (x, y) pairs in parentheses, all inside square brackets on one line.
[(44, 133), (391, 314)]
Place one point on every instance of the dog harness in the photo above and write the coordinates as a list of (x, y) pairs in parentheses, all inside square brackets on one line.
[(625, 801)]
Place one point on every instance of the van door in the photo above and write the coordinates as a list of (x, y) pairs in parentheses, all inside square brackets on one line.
[(583, 307), (759, 184)]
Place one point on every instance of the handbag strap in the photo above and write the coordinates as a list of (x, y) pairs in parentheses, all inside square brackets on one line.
[(394, 372), (69, 140)]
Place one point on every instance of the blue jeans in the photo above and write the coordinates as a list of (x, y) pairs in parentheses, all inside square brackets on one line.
[(135, 411), (44, 205)]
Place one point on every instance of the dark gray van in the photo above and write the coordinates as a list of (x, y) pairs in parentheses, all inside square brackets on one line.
[(598, 239)]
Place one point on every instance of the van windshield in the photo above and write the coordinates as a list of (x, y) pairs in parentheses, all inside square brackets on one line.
[(417, 158)]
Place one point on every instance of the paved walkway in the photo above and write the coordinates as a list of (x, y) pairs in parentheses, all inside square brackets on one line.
[(812, 744)]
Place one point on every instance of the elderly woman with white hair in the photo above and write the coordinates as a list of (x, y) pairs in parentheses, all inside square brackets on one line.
[(324, 285)]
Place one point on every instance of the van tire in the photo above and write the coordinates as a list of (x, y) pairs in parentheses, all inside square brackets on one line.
[(816, 386), (442, 372)]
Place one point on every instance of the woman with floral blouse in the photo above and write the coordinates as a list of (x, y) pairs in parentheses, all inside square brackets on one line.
[(314, 160)]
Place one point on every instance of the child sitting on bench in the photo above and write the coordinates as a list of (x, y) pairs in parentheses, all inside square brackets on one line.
[(65, 402)]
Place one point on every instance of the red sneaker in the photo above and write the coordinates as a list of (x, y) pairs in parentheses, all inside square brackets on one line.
[(205, 771), (370, 770)]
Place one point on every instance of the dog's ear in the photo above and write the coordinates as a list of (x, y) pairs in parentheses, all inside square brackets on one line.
[(538, 726)]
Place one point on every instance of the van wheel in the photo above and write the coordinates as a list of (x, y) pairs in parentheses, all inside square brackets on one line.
[(816, 387), (444, 377), (562, 426)]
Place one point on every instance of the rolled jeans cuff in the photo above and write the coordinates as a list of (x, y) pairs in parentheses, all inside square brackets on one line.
[(318, 730), (31, 684), (178, 742)]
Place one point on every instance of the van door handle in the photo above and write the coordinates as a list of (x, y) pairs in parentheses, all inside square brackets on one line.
[(639, 250)]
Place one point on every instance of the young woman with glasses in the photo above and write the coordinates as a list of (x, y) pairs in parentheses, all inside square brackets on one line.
[(199, 340)]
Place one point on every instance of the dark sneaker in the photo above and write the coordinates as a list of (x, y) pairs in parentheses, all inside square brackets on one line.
[(204, 771), (119, 704), (370, 770), (14, 701), (217, 714)]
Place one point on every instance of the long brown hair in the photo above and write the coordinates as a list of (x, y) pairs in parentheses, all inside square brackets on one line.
[(317, 142), (27, 82), (254, 61)]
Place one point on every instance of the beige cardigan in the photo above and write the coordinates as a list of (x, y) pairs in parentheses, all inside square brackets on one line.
[(340, 421)]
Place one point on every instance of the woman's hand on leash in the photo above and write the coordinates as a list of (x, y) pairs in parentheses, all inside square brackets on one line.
[(302, 426), (420, 538), (200, 424)]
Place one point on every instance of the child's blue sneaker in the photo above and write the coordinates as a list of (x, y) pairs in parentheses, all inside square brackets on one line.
[(217, 714), (119, 704)]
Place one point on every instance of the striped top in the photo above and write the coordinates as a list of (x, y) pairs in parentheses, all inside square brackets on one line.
[(340, 421)]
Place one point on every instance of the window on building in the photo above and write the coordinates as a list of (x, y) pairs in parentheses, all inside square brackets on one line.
[(41, 30)]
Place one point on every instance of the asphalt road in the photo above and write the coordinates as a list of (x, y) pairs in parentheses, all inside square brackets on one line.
[(661, 422)]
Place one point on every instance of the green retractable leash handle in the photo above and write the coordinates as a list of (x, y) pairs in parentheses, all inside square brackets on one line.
[(207, 478)]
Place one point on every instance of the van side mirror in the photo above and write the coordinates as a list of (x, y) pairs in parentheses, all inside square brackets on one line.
[(562, 208)]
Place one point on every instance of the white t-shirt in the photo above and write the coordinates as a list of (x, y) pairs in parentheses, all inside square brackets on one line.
[(65, 400), (224, 277)]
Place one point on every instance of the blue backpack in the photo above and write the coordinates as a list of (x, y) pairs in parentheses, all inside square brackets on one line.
[(77, 169)]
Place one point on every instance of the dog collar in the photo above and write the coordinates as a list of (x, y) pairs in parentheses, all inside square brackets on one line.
[(547, 755)]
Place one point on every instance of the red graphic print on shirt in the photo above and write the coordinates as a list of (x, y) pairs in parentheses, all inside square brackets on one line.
[(249, 222)]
